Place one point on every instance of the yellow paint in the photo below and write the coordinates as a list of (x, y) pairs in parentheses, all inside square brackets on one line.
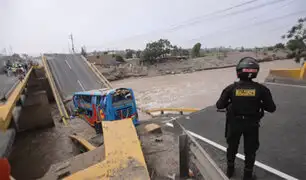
[(289, 73), (121, 147), (7, 108), (58, 100), (83, 142), (173, 109), (245, 92), (106, 170), (297, 73), (303, 74)]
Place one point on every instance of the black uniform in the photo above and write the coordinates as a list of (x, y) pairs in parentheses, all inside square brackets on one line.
[(245, 102)]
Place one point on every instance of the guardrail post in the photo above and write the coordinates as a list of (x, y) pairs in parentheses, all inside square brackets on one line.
[(161, 112), (181, 112), (193, 157), (183, 155)]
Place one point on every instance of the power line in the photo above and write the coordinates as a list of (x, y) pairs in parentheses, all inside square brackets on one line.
[(192, 19), (229, 14), (253, 24), (254, 18), (202, 18), (213, 13)]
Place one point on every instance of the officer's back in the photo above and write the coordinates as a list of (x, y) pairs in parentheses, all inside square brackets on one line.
[(246, 97), (250, 99), (245, 102)]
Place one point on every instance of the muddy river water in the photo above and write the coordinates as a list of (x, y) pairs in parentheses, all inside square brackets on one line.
[(34, 152), (195, 90)]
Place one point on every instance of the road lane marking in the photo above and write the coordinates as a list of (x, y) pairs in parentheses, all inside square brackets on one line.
[(68, 64), (81, 85), (240, 156), (169, 124)]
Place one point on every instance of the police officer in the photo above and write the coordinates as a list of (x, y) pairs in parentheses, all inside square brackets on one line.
[(245, 102)]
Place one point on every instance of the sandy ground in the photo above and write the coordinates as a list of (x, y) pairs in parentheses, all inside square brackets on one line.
[(195, 90), (35, 151)]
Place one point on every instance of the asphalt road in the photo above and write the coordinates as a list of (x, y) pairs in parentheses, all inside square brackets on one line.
[(282, 134), (72, 74), (6, 84)]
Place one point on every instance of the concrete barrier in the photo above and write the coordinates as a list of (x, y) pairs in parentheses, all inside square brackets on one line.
[(59, 102), (195, 159), (98, 73), (7, 108), (289, 73), (83, 142), (35, 112), (6, 142), (297, 73), (123, 153)]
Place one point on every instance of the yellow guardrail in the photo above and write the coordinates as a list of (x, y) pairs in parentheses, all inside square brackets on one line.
[(7, 108), (296, 73), (181, 110), (98, 73), (59, 102), (302, 73), (123, 152), (83, 142)]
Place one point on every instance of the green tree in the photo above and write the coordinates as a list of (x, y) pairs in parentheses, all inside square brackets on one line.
[(270, 48), (185, 52), (119, 58), (138, 53), (296, 38), (175, 51), (129, 53), (195, 52), (156, 49), (295, 44), (279, 46)]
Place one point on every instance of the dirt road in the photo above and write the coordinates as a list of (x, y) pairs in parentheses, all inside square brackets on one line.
[(197, 90)]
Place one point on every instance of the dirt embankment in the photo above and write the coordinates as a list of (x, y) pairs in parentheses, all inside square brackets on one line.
[(183, 66)]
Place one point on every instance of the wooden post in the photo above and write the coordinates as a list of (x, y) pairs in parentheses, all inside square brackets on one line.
[(184, 157)]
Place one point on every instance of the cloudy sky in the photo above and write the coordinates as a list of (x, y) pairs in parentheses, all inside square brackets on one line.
[(37, 26)]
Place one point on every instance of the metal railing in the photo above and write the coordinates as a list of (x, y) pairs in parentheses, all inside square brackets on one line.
[(98, 73), (59, 102), (180, 110), (193, 158), (6, 108)]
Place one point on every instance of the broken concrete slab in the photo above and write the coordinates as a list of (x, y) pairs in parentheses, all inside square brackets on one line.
[(153, 128), (7, 139)]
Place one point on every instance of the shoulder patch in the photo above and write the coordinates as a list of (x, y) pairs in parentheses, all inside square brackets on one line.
[(245, 92)]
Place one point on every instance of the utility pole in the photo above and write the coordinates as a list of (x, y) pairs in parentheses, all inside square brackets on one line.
[(71, 38), (11, 50)]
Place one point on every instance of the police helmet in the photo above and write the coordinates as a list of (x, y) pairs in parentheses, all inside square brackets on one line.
[(247, 68)]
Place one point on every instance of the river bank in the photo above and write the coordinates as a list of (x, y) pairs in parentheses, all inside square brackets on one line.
[(183, 66)]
